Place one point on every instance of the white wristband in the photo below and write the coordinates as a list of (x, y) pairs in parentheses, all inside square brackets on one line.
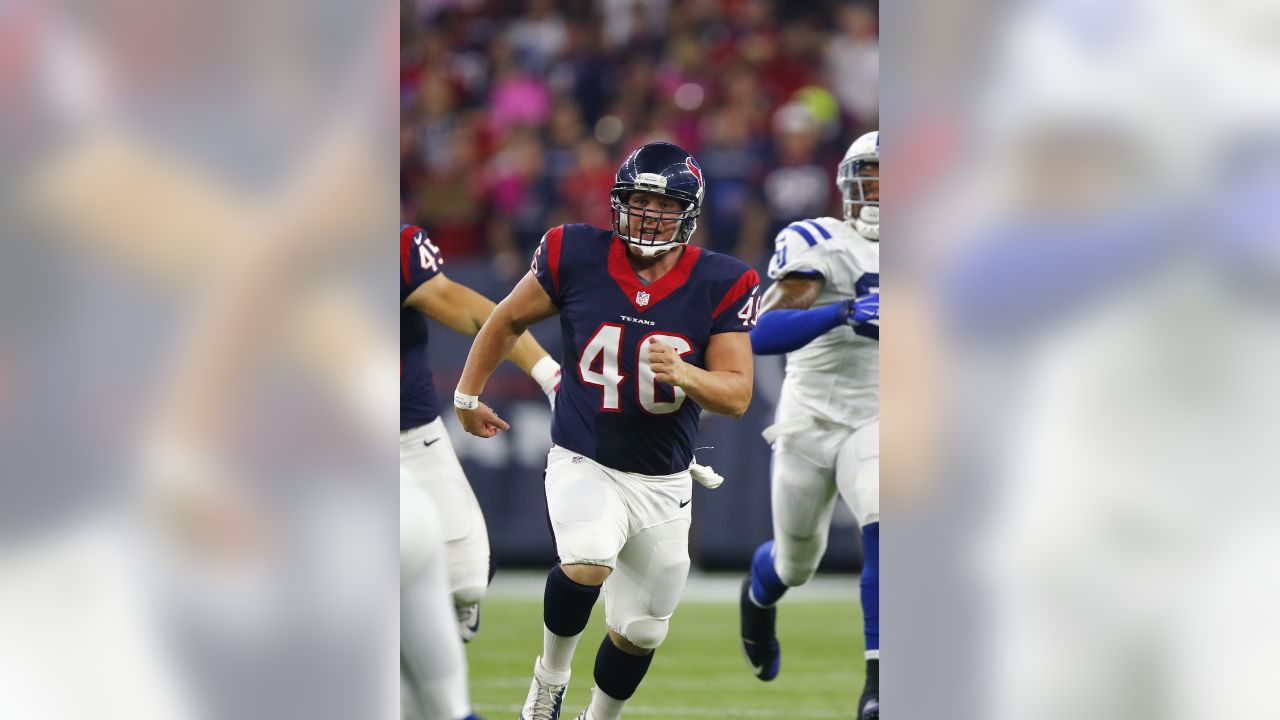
[(545, 372), (463, 401)]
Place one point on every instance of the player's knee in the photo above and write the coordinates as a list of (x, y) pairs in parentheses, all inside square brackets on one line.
[(796, 559), (585, 574), (793, 573), (468, 595), (646, 633)]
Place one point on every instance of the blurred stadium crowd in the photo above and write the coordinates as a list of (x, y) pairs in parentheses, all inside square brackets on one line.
[(515, 115)]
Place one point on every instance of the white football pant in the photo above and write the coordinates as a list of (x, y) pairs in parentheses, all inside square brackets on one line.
[(433, 668), (808, 468), (636, 524), (428, 453)]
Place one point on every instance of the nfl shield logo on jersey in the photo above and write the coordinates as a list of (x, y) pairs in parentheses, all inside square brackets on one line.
[(642, 298)]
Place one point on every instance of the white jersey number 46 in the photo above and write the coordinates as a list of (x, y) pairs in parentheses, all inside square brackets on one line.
[(599, 366)]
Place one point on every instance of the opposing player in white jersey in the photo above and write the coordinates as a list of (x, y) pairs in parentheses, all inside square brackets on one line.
[(823, 312)]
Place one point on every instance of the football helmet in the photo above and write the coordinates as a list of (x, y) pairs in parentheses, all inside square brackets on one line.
[(663, 169), (863, 152)]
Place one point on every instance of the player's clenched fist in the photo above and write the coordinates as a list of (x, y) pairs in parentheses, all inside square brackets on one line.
[(667, 365)]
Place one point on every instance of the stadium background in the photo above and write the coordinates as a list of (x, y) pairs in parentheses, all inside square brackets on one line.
[(514, 118)]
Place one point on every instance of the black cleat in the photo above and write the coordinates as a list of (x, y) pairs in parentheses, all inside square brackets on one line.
[(869, 703), (759, 635), (869, 707)]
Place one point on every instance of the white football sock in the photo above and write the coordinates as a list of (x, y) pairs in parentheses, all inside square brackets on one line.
[(557, 651), (603, 707)]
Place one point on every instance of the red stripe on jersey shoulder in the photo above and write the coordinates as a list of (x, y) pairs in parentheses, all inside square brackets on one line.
[(555, 238), (406, 248), (625, 277), (749, 279)]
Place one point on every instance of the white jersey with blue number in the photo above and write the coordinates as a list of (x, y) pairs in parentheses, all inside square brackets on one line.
[(836, 377)]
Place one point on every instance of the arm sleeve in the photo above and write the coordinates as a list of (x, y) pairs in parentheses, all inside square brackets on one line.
[(736, 311), (781, 331), (420, 259), (546, 265)]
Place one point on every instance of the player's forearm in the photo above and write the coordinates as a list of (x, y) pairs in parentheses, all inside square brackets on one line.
[(719, 391), (526, 352), (782, 331), (477, 309), (495, 341)]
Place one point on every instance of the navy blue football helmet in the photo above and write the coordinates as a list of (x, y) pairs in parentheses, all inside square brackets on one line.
[(662, 169)]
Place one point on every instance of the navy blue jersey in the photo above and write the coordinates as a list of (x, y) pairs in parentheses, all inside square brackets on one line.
[(610, 408), (419, 262)]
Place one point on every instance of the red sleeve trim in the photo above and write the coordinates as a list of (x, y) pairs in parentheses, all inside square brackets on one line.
[(555, 237), (749, 279), (407, 234)]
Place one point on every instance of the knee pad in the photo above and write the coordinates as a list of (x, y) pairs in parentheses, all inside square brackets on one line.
[(796, 559), (858, 473), (647, 633)]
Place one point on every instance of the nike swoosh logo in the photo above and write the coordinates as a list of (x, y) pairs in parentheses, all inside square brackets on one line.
[(429, 443), (686, 502)]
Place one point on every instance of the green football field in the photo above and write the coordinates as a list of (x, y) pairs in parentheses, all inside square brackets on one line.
[(699, 671)]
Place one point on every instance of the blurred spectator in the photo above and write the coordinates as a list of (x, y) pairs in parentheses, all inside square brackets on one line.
[(853, 63), (518, 97), (564, 132), (515, 115), (519, 198), (733, 163), (799, 186), (586, 189), (538, 37)]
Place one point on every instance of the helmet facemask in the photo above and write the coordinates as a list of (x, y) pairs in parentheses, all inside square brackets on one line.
[(648, 242), (857, 188)]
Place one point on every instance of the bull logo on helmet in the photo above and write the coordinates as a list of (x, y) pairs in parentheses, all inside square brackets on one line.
[(693, 168)]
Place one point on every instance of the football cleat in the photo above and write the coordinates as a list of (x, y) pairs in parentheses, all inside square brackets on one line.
[(759, 636), (468, 621), (545, 694), (869, 707)]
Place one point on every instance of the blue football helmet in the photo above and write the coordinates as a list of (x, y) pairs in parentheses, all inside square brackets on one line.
[(663, 169)]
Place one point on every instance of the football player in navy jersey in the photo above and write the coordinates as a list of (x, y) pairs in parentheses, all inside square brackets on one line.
[(656, 331), (425, 449)]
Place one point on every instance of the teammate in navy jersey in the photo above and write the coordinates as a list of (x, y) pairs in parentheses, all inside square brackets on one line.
[(424, 445), (656, 331)]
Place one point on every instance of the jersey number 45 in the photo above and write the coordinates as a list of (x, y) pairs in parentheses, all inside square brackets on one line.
[(599, 366)]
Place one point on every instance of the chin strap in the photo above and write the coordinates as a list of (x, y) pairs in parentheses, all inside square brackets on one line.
[(653, 251), (868, 223)]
